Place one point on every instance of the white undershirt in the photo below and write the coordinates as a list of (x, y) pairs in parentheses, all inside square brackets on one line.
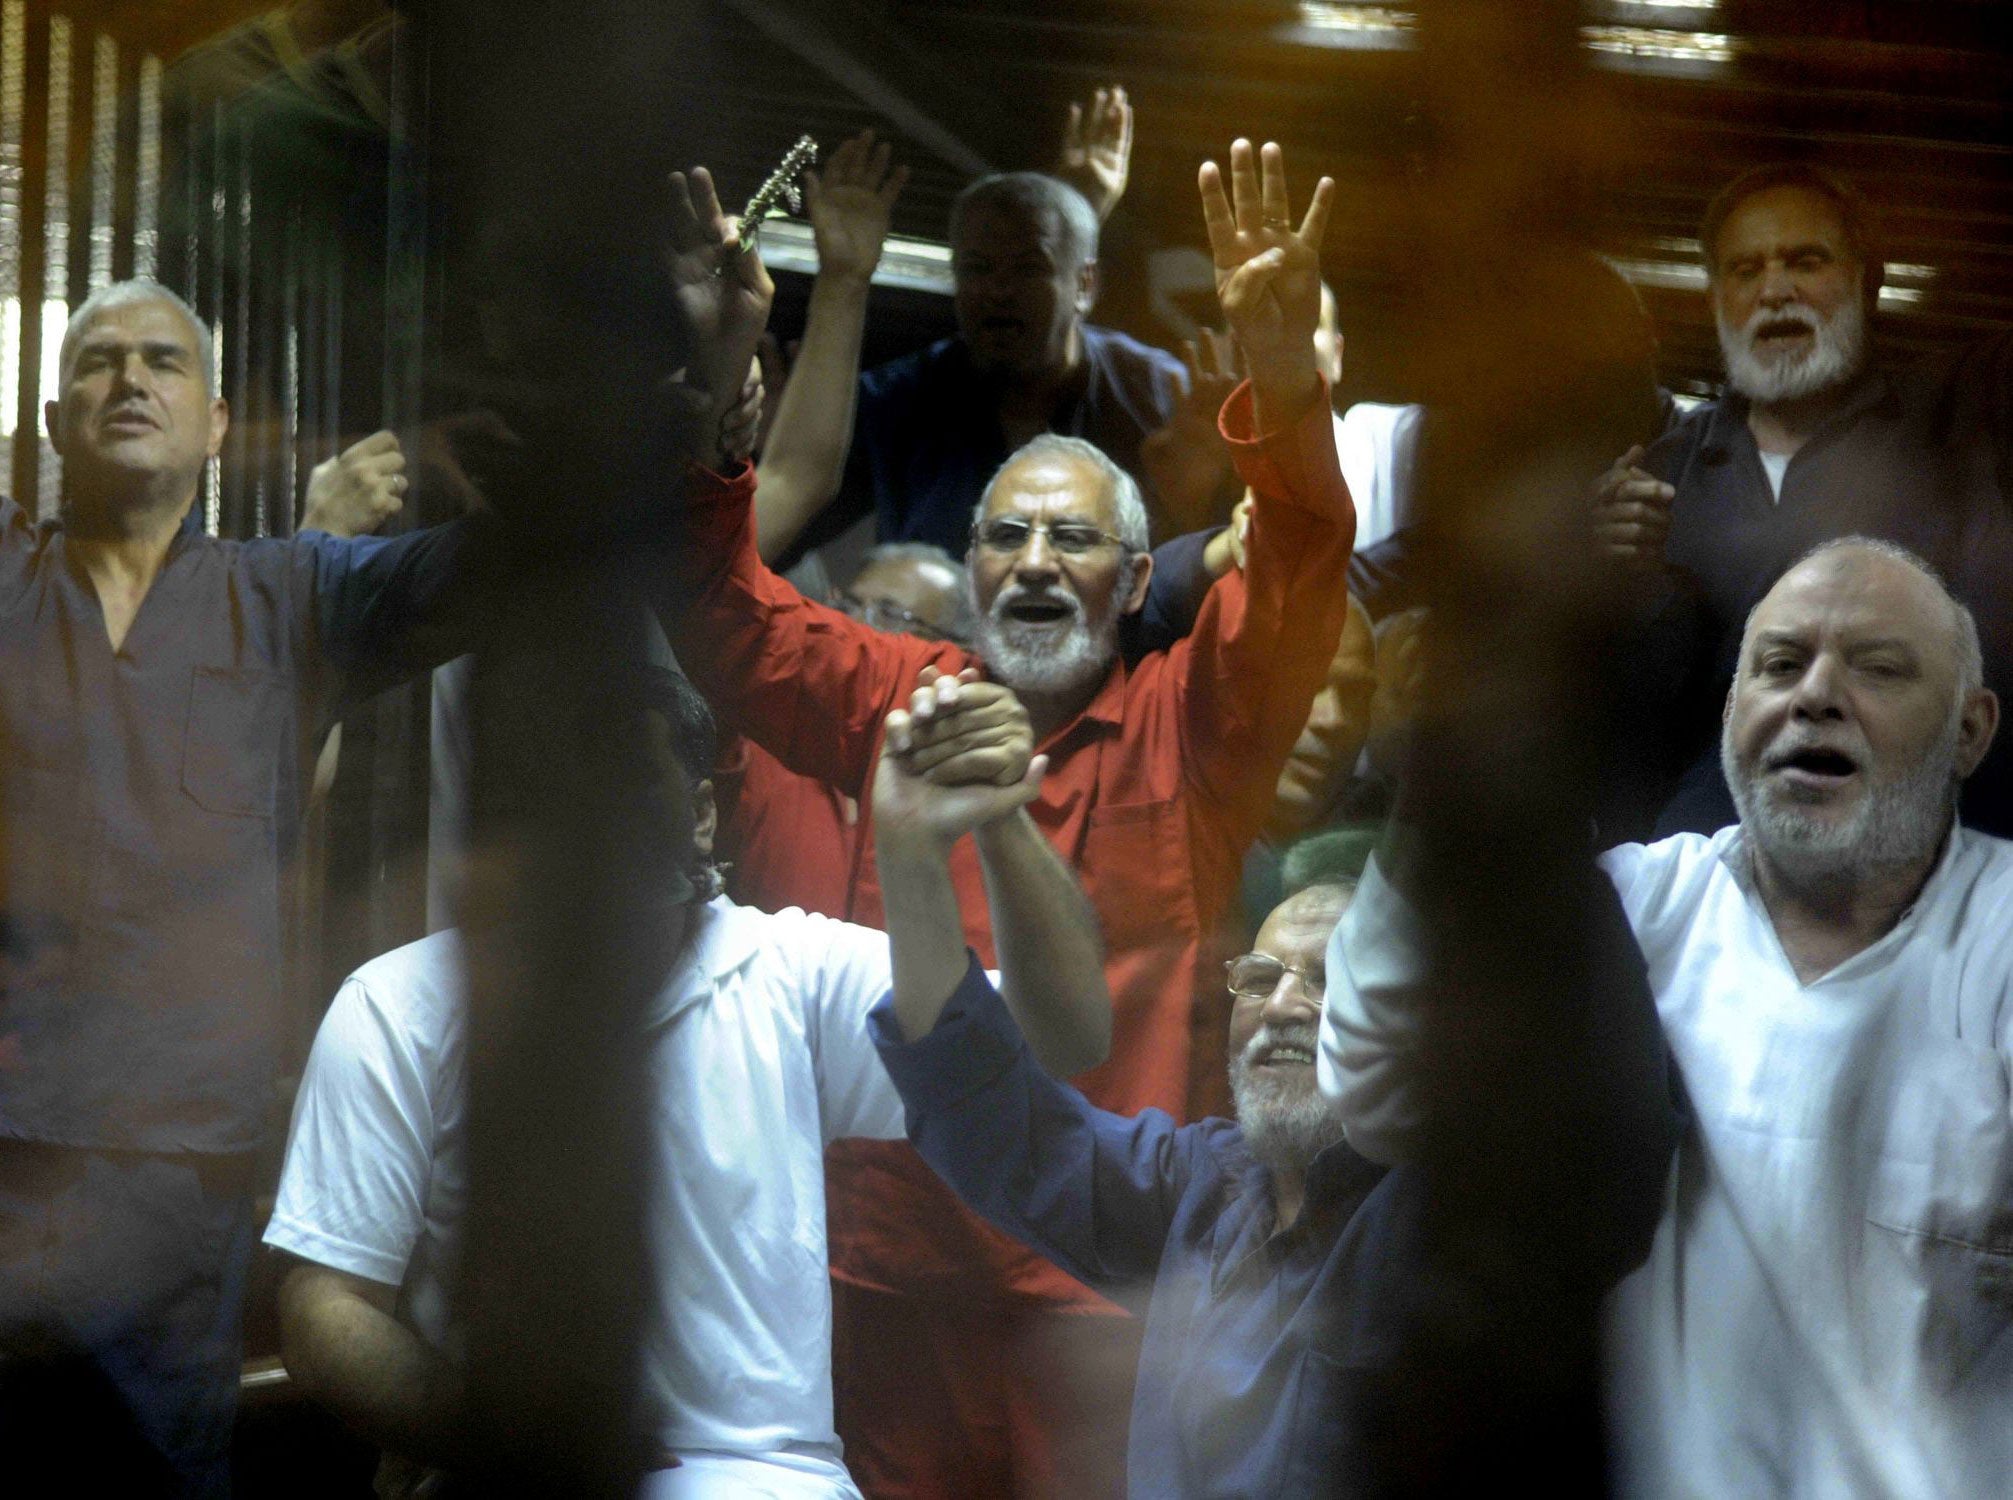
[(1775, 465)]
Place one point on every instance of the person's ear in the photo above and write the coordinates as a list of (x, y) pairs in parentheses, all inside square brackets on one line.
[(705, 819), (1975, 729), (52, 413), (1086, 288), (220, 423), (1135, 594)]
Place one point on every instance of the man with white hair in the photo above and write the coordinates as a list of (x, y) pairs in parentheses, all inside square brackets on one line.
[(1160, 775), (1816, 437), (162, 693), (1825, 1308)]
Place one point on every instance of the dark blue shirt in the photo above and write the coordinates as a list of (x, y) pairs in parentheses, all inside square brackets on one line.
[(149, 799), (1922, 457), (1251, 1334), (927, 436)]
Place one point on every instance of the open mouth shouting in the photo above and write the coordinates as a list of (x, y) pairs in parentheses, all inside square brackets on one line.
[(1783, 333), (1283, 1050), (1039, 609), (1813, 770)]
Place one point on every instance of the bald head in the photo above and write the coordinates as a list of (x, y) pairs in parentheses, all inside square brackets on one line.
[(1856, 712)]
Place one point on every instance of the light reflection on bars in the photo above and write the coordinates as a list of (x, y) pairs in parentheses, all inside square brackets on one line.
[(1688, 275), (55, 247), (104, 154), (13, 112), (147, 171), (1660, 44)]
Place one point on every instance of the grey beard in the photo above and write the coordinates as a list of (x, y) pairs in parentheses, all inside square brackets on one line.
[(1029, 663), (1284, 1126), (1835, 358), (1900, 822)]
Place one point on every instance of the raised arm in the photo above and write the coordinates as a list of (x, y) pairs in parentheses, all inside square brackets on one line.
[(958, 761), (804, 460), (1096, 155), (1262, 643), (1095, 1192)]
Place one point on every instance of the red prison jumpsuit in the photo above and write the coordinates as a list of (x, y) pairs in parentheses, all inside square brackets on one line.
[(965, 1366)]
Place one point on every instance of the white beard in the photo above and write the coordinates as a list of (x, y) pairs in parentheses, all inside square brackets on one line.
[(1284, 1124), (1034, 658), (1836, 353), (1899, 821)]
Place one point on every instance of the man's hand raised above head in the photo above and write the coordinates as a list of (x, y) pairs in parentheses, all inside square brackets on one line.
[(956, 759), (723, 292), (1268, 274), (1096, 153), (358, 490), (849, 203)]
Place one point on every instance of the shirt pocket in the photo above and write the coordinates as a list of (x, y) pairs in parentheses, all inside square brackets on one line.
[(1135, 868), (1942, 1204), (232, 745)]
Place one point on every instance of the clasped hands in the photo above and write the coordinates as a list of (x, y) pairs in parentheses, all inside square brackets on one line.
[(959, 757)]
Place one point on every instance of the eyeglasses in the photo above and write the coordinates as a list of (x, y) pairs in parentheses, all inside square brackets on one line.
[(885, 614), (1256, 975), (1007, 536)]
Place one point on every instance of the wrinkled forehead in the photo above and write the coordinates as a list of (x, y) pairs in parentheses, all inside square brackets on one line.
[(1054, 488), (152, 320), (1781, 217), (1299, 927), (1852, 598)]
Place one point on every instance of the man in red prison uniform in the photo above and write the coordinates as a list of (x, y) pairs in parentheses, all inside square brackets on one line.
[(965, 1366)]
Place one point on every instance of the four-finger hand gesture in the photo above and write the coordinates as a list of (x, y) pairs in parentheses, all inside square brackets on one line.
[(1268, 274), (355, 492), (724, 313), (849, 203), (1097, 149)]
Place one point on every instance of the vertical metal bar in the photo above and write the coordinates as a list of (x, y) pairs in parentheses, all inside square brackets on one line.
[(147, 171), (104, 156), (13, 173), (289, 376), (125, 187), (55, 289), (34, 250)]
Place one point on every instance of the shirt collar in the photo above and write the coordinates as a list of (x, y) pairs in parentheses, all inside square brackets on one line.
[(1735, 854), (1106, 709), (1727, 427), (724, 938)]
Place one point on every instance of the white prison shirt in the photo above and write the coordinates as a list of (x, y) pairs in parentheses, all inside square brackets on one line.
[(761, 1056), (1377, 447), (1827, 1309)]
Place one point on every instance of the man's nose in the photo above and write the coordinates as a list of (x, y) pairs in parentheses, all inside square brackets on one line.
[(1293, 1002), (1777, 285), (1820, 690), (130, 373), (1038, 557)]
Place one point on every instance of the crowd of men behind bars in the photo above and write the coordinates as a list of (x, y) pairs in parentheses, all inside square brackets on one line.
[(1037, 1090)]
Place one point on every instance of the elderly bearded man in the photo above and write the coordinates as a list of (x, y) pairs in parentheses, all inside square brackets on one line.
[(1824, 1311), (1160, 776), (1817, 437)]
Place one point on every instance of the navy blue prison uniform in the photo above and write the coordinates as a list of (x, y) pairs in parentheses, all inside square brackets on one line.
[(1268, 1356), (149, 799), (1920, 456), (927, 436)]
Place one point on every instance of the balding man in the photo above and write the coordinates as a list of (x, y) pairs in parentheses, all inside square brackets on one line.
[(161, 695), (1825, 1310), (1160, 774), (1816, 436)]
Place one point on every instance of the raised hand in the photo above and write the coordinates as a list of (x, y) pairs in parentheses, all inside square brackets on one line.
[(849, 203), (1632, 514), (1097, 149), (724, 313), (952, 763), (1268, 274), (355, 492)]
